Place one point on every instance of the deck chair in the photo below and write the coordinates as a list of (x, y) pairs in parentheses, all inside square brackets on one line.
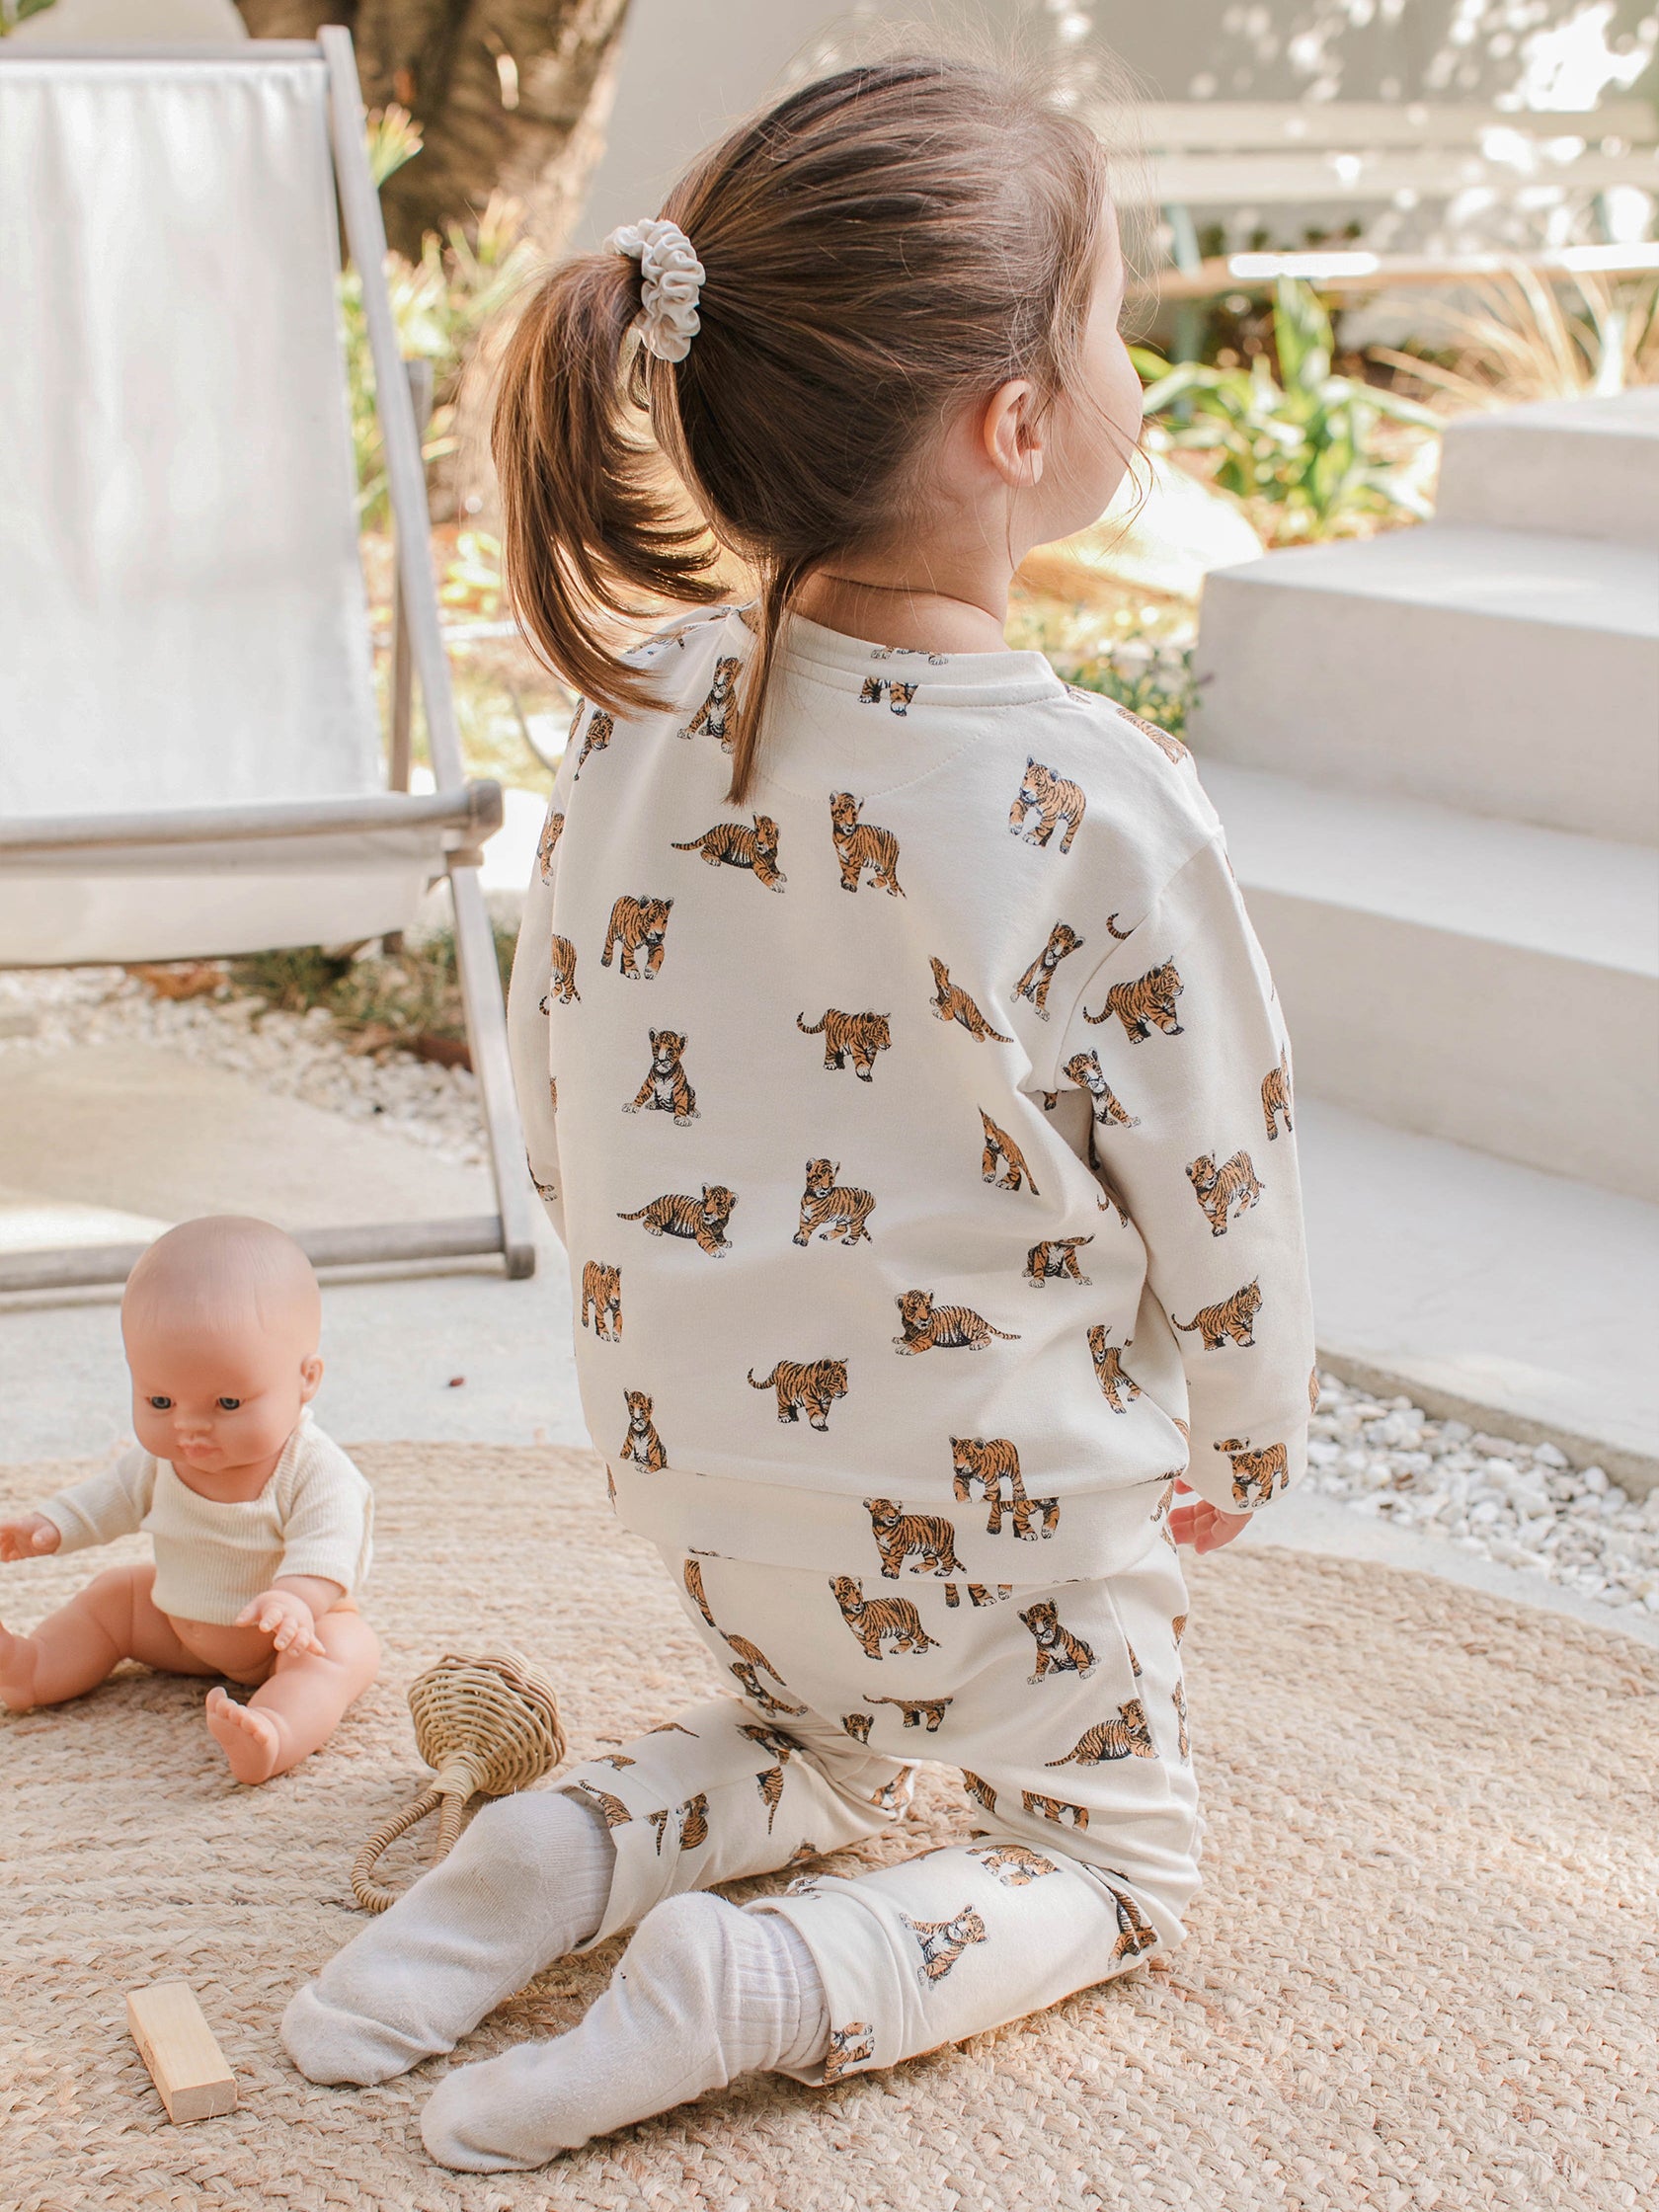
[(189, 758)]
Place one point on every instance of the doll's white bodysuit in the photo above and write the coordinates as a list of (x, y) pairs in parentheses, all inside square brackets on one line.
[(920, 1134), (314, 1517)]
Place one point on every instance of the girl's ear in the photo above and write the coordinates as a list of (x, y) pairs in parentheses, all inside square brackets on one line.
[(1013, 435), (310, 1376)]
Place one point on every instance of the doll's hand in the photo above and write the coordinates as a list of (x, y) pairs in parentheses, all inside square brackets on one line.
[(284, 1616), (32, 1537), (1194, 1520)]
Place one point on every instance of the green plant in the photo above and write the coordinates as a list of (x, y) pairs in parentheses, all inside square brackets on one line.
[(1520, 340), (14, 12), (403, 998), (1302, 450), (440, 304)]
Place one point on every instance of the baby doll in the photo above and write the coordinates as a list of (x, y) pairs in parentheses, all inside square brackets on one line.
[(260, 1524)]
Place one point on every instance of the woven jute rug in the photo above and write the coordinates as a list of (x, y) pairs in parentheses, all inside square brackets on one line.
[(1424, 1973)]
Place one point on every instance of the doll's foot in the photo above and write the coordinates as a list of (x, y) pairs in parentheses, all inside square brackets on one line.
[(18, 1656), (249, 1738)]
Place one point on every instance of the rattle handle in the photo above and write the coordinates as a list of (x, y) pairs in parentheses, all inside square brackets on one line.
[(370, 1896)]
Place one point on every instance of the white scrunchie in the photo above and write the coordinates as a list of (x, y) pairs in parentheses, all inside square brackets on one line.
[(672, 280)]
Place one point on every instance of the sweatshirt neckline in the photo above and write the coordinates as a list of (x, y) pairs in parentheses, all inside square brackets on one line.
[(944, 680)]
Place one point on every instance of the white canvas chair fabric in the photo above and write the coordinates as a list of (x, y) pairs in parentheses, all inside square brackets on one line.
[(190, 757)]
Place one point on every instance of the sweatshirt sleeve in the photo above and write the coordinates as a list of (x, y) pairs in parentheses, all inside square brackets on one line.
[(528, 1022), (111, 1503), (1193, 1137)]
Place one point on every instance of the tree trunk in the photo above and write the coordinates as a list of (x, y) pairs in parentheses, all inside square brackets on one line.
[(507, 93)]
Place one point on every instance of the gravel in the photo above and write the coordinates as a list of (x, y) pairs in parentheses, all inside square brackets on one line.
[(295, 1056), (1520, 1504)]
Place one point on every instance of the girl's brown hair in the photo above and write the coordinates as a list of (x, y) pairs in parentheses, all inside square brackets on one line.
[(878, 248)]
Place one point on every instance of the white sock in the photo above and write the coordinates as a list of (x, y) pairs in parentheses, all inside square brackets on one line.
[(705, 1992), (527, 1883)]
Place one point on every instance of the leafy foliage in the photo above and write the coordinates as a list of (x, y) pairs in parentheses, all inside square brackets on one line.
[(1520, 340), (378, 997), (1302, 450)]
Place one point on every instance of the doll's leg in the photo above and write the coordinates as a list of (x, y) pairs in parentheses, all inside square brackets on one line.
[(296, 1709), (112, 1619)]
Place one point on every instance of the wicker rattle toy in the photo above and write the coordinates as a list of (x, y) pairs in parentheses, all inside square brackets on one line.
[(488, 1724)]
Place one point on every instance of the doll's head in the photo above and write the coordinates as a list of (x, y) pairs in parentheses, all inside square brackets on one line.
[(220, 1319)]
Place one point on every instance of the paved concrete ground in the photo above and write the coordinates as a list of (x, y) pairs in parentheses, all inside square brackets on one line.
[(120, 1140)]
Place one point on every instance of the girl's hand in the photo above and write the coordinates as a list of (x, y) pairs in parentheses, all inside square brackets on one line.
[(284, 1616), (32, 1537), (1195, 1521)]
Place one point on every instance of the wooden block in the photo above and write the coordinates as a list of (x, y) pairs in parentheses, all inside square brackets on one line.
[(177, 2045)]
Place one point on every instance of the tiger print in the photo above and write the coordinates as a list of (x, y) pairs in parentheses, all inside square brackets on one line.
[(601, 727), (1276, 1096), (561, 980), (1107, 1108), (601, 1293), (1134, 1663), (640, 1445), (991, 1465), (1255, 1474), (733, 844), (1135, 1932), (637, 925), (714, 715), (1112, 930), (694, 1591), (778, 1741), (898, 1533), (894, 1797), (951, 1002), (899, 696), (839, 1209), (1064, 940), (1218, 1189), (1109, 1371), (1178, 1697), (702, 1219), (1233, 1317), (552, 829), (873, 1620), (978, 1789), (999, 1147), (1055, 1809), (978, 1594), (1146, 1004), (950, 1327), (749, 1666), (858, 1725), (849, 2046), (614, 1759), (1059, 1651), (943, 1941), (611, 1810), (860, 845), (1178, 1628), (659, 1826), (1052, 799), (1055, 1261), (770, 1787), (813, 1383), (918, 1709), (1124, 1738), (1014, 1864), (858, 1037), (665, 1089), (694, 1822), (1171, 747)]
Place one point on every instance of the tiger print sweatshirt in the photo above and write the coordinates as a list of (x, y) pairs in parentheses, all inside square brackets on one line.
[(920, 1131)]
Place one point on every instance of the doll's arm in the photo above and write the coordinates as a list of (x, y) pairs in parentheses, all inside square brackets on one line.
[(106, 1505), (32, 1537)]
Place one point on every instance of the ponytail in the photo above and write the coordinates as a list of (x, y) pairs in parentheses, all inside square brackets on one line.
[(589, 522)]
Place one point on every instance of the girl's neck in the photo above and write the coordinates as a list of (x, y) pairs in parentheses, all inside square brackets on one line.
[(968, 618)]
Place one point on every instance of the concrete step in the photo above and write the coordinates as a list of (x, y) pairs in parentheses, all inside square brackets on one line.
[(1485, 982), (1577, 467), (1505, 672), (1487, 1291)]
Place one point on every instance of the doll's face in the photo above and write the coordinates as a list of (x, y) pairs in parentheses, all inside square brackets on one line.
[(216, 1399)]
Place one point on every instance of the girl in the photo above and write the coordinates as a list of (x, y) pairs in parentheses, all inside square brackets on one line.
[(910, 1096)]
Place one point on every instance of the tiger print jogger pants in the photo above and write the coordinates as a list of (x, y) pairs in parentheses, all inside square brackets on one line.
[(1060, 1704)]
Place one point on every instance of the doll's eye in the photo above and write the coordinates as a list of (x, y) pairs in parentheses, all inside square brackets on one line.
[(229, 1405), (162, 1405)]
